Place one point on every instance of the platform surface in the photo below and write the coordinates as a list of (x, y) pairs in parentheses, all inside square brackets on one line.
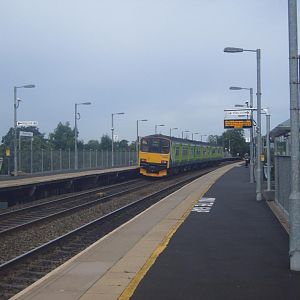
[(231, 247), (237, 250), (22, 180)]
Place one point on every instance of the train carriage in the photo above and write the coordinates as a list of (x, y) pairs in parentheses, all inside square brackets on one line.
[(161, 155)]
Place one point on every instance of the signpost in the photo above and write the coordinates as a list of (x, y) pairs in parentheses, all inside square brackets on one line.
[(26, 133), (27, 123)]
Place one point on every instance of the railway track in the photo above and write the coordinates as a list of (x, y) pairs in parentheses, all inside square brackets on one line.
[(21, 271), (20, 218)]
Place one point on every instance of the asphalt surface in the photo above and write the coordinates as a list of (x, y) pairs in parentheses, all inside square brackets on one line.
[(237, 250)]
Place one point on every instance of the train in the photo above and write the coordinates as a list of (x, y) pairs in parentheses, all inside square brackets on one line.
[(161, 155)]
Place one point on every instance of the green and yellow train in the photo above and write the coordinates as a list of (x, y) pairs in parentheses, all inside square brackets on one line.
[(161, 155)]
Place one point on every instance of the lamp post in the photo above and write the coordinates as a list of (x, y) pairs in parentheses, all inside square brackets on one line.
[(268, 116), (258, 94), (251, 130), (16, 105), (77, 117), (137, 136), (202, 136), (112, 136), (174, 128), (294, 198), (182, 132), (158, 125), (195, 134)]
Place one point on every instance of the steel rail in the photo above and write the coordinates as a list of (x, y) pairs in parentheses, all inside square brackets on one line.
[(72, 209)]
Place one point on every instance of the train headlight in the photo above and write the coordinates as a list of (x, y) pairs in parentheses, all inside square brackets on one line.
[(164, 162)]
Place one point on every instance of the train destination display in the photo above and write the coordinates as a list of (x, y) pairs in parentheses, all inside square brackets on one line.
[(238, 123), (237, 119)]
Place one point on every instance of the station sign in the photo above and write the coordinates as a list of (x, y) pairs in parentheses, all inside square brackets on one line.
[(26, 133), (27, 123), (237, 114), (238, 118), (238, 123)]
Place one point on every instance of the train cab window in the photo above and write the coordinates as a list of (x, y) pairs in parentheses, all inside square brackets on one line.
[(177, 151), (155, 145), (145, 145)]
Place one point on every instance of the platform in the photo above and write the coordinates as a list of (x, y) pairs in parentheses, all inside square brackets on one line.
[(25, 189), (227, 246)]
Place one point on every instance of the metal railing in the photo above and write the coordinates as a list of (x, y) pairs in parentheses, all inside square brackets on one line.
[(50, 161)]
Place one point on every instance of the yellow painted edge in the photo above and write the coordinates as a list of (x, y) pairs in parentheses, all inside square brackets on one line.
[(128, 292)]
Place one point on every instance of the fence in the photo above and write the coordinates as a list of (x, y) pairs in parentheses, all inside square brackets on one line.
[(47, 161), (282, 181)]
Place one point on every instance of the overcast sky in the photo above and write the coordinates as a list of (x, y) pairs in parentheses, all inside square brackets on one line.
[(160, 60)]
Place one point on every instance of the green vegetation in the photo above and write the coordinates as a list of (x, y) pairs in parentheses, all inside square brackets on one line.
[(232, 139)]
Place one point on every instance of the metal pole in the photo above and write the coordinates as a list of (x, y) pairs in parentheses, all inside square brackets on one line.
[(251, 141), (42, 160), (60, 160), (69, 158), (112, 140), (259, 144), (137, 139), (90, 158), (15, 133), (75, 148), (96, 159), (268, 152), (83, 165), (31, 156), (294, 198), (137, 136), (51, 159), (20, 166)]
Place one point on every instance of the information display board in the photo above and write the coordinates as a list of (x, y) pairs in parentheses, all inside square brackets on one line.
[(238, 123)]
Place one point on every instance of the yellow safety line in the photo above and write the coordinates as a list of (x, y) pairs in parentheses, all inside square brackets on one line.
[(128, 292)]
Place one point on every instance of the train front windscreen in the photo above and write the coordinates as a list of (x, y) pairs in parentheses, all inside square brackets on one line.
[(155, 145)]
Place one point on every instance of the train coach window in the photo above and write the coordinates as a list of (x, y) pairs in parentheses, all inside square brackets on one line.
[(165, 146)]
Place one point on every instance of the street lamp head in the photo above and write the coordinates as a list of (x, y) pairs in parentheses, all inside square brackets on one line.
[(121, 113), (233, 50), (160, 125), (239, 105), (143, 120), (86, 103), (28, 86), (174, 128), (234, 88)]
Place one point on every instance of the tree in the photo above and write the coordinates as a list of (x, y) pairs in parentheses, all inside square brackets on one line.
[(105, 142), (92, 144), (62, 137), (122, 145), (234, 140), (39, 140)]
